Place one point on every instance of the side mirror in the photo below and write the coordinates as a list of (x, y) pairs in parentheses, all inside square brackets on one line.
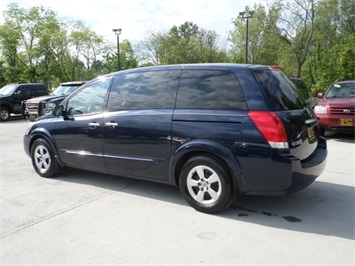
[(319, 95), (58, 110)]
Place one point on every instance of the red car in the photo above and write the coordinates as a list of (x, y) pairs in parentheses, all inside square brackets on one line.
[(336, 109)]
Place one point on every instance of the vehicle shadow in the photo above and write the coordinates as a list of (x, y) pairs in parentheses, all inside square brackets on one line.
[(322, 208), (15, 119), (341, 137)]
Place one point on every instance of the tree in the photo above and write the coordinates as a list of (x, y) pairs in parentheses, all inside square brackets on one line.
[(33, 28), (38, 46), (9, 42), (238, 36), (312, 39), (128, 58), (332, 52), (181, 45), (297, 30), (89, 48)]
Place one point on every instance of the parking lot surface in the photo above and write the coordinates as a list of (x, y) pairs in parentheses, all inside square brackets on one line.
[(84, 218)]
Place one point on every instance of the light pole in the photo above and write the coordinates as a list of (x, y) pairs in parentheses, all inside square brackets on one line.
[(118, 32), (246, 16)]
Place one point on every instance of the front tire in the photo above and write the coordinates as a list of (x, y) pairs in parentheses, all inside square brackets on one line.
[(4, 114), (205, 184), (43, 159)]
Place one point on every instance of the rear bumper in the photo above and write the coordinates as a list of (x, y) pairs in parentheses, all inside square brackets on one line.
[(286, 173), (305, 172)]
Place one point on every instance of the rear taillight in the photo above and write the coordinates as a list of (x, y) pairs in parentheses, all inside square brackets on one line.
[(271, 127)]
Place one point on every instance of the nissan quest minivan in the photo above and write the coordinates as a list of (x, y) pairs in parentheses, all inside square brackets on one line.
[(217, 131)]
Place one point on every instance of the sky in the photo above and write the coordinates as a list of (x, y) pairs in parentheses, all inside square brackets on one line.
[(138, 17)]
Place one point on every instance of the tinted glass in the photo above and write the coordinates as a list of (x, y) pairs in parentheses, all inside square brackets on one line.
[(90, 100), (37, 90), (40, 90), (280, 91), (210, 89), (144, 90), (24, 90)]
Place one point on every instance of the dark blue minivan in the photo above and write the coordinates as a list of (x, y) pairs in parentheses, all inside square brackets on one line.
[(217, 131)]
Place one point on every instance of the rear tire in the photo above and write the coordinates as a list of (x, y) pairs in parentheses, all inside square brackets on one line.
[(205, 185), (43, 159)]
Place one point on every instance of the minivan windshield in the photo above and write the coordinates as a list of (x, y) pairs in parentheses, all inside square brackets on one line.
[(8, 90), (281, 92)]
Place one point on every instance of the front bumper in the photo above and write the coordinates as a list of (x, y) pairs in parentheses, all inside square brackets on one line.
[(336, 122), (34, 111)]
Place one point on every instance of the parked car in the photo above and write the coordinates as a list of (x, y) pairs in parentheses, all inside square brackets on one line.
[(217, 131), (36, 107), (11, 97), (336, 109)]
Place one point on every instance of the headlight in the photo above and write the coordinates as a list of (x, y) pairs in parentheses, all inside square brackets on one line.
[(49, 106), (320, 109)]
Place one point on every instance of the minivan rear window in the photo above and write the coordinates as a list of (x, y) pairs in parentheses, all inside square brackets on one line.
[(210, 89), (281, 92)]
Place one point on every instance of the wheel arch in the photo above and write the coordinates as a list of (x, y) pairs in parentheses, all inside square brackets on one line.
[(41, 133), (210, 149), (8, 105)]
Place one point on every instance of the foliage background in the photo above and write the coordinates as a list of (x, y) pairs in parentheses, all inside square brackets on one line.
[(311, 39)]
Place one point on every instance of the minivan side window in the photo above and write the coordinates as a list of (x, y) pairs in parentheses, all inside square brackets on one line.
[(210, 89), (144, 90), (90, 100)]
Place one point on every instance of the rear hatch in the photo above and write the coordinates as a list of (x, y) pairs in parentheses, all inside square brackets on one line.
[(286, 101)]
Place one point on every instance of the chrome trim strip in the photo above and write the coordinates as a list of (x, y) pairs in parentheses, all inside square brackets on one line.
[(85, 153), (128, 158)]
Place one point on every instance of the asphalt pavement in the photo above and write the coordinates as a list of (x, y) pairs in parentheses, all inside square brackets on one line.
[(82, 218)]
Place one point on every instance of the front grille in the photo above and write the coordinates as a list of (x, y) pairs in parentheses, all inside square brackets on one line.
[(31, 106), (350, 110)]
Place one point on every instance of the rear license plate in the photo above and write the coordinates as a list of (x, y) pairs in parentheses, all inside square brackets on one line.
[(346, 122), (311, 134)]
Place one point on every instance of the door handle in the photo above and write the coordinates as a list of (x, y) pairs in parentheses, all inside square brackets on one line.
[(111, 124), (94, 124)]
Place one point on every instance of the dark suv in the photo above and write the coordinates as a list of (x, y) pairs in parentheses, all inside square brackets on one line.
[(215, 130), (36, 107), (11, 97)]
